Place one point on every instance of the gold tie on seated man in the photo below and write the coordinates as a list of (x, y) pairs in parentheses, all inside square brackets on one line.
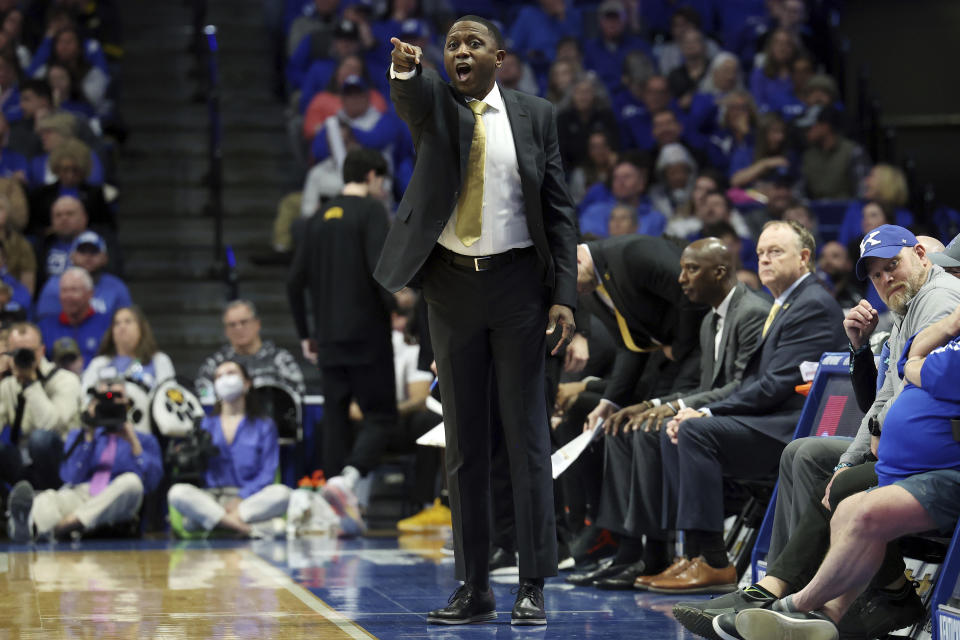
[(470, 203), (770, 316)]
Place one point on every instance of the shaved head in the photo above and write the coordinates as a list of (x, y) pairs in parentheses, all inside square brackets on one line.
[(715, 252), (930, 245)]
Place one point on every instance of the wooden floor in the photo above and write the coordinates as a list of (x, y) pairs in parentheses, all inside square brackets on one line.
[(170, 593)]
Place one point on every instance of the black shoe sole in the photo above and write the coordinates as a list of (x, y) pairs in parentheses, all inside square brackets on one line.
[(527, 622), (696, 622), (482, 617)]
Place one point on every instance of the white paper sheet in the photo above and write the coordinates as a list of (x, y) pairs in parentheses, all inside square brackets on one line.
[(569, 452)]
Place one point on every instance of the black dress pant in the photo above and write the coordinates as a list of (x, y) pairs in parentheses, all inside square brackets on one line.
[(708, 449), (632, 499), (481, 324), (372, 386)]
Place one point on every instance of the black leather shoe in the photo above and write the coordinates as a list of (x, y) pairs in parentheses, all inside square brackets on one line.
[(502, 562), (528, 609), (623, 579), (467, 604), (587, 578)]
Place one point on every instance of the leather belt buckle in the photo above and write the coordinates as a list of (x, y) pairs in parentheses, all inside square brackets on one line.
[(483, 263)]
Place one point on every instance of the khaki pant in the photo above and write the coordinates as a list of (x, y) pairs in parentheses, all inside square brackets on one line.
[(288, 210), (118, 502), (204, 508)]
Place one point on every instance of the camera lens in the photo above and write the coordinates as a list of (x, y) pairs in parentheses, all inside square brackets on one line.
[(24, 358)]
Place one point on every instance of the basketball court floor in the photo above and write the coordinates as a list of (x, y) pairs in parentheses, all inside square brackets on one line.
[(313, 587)]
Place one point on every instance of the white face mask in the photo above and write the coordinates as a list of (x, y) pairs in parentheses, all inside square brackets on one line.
[(229, 387)]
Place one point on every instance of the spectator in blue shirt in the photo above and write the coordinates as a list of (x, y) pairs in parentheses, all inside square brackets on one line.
[(316, 76), (636, 119), (886, 185), (12, 163), (537, 30), (83, 58), (723, 76), (770, 82), (107, 468), (606, 53), (792, 104), (627, 187), (731, 145), (68, 218), (682, 19), (54, 131), (597, 167), (676, 172), (767, 151), (130, 349), (240, 489), (88, 251), (77, 319)]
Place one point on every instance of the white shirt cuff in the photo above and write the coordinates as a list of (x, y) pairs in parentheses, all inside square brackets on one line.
[(656, 402), (401, 75), (681, 403), (615, 406), (705, 411)]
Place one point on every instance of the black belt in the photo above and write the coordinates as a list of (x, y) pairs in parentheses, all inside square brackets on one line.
[(481, 263)]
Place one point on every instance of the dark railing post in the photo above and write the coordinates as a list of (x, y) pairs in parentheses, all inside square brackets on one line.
[(215, 138)]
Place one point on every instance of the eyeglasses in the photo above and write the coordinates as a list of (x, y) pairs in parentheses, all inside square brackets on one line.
[(236, 324)]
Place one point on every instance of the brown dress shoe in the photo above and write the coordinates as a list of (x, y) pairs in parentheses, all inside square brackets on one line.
[(697, 577), (642, 582)]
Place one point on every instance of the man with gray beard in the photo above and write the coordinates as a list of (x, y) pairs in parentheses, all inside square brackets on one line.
[(918, 294)]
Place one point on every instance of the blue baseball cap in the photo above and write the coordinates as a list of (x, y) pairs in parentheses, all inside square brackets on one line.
[(885, 241), (91, 238), (950, 256)]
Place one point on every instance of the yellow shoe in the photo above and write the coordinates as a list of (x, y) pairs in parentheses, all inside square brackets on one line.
[(435, 517)]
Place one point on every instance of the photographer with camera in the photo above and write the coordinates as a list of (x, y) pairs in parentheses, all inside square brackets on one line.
[(240, 488), (38, 404), (107, 468)]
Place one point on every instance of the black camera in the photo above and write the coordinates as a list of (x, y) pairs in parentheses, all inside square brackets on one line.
[(187, 458), (110, 411), (24, 358)]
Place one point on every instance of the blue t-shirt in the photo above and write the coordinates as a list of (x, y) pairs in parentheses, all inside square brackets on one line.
[(21, 296), (11, 162), (109, 294), (917, 434), (250, 462), (595, 219), (58, 257), (88, 333)]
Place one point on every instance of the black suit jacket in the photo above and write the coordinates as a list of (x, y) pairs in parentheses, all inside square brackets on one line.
[(809, 323), (740, 337), (441, 124), (640, 275), (335, 261)]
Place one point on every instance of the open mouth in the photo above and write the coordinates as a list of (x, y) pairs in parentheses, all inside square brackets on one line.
[(463, 71)]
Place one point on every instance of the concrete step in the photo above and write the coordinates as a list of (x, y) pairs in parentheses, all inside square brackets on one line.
[(157, 203), (149, 264)]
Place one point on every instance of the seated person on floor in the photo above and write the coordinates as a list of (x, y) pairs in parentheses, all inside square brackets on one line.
[(50, 400), (107, 468), (239, 482), (918, 472)]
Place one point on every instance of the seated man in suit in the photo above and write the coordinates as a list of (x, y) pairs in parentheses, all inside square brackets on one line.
[(631, 284), (728, 337), (743, 434)]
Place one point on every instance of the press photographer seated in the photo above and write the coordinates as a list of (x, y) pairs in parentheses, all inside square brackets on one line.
[(107, 468), (38, 404), (239, 481)]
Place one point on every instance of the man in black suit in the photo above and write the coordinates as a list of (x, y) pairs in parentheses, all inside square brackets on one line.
[(631, 284), (743, 434), (486, 228), (631, 502), (334, 260)]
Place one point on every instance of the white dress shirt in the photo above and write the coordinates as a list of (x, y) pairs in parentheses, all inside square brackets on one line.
[(504, 225)]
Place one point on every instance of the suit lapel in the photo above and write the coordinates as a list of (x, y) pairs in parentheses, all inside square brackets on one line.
[(521, 126), (728, 323), (778, 319)]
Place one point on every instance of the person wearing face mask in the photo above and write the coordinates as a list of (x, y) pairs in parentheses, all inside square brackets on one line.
[(240, 489)]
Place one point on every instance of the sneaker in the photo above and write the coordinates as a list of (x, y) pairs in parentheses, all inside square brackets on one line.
[(593, 543), (698, 616), (768, 624), (341, 497), (435, 517), (19, 504), (724, 627), (878, 612)]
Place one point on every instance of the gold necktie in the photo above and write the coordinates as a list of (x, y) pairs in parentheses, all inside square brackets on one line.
[(470, 204), (624, 329), (770, 316)]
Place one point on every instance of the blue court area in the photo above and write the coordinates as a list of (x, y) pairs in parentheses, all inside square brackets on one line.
[(384, 586)]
